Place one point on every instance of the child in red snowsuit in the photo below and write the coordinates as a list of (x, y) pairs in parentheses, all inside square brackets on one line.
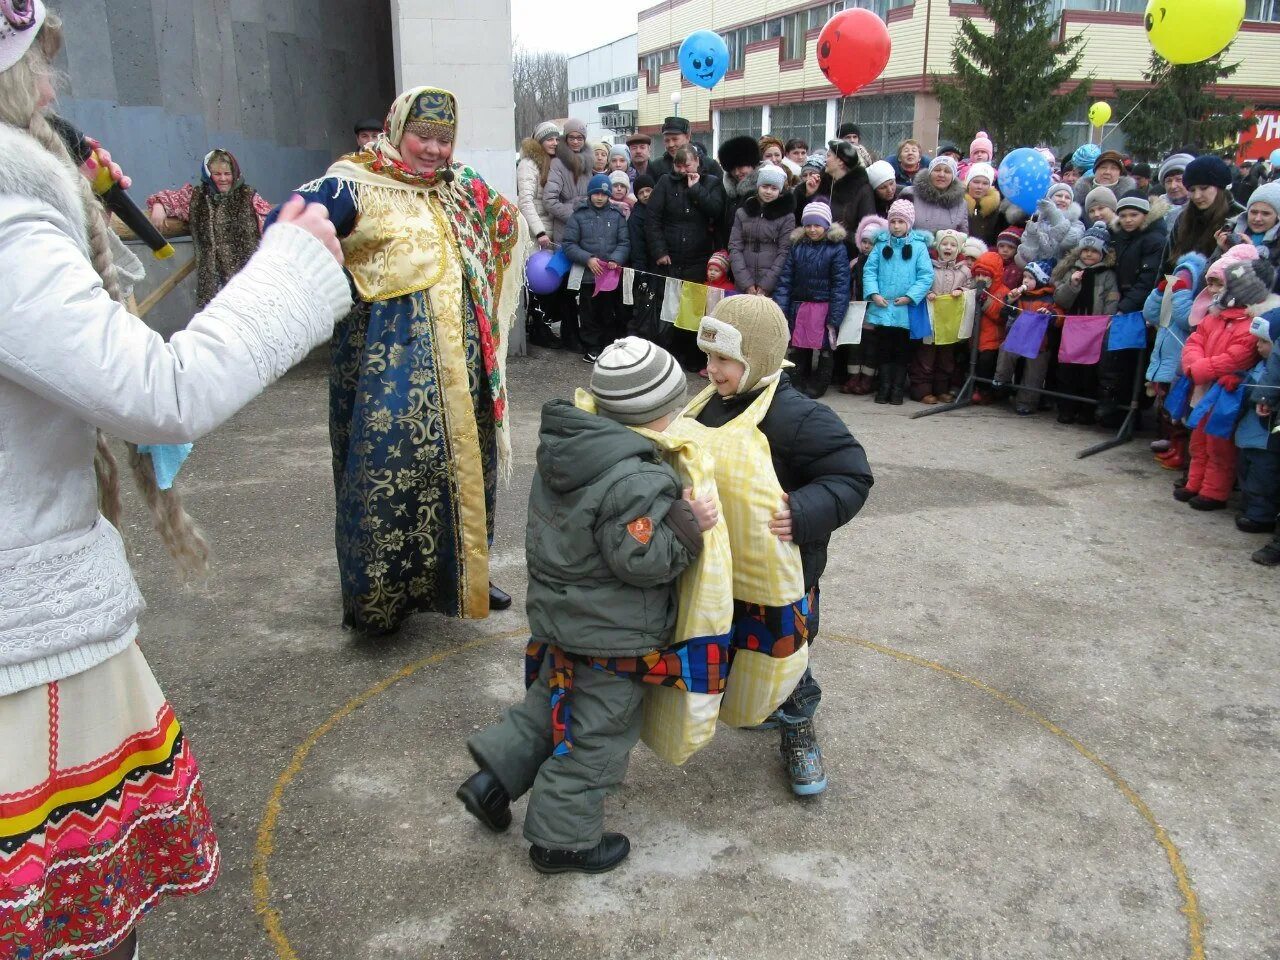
[(1220, 350), (988, 278)]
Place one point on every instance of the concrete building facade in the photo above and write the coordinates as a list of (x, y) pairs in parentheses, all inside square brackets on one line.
[(774, 84), (464, 46), (279, 83), (604, 90)]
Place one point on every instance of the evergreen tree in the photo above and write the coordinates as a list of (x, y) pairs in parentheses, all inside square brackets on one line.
[(1177, 109), (1007, 82)]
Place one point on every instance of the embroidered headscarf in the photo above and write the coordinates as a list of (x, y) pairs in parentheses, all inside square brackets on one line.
[(486, 225), (218, 155)]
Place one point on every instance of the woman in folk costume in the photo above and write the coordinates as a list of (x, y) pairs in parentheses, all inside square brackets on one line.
[(417, 395), (224, 216), (101, 805)]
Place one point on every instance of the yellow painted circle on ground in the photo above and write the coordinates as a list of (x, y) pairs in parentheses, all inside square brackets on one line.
[(265, 846)]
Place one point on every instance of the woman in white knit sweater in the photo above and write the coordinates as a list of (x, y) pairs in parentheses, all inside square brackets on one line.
[(101, 811)]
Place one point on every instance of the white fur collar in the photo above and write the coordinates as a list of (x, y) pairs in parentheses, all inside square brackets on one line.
[(29, 170)]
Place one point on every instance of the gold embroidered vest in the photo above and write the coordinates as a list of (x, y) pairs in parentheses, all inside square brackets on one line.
[(400, 243)]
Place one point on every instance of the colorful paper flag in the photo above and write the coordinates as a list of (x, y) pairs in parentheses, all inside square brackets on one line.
[(948, 318), (1026, 336), (851, 326), (918, 321), (693, 307), (1082, 339), (608, 281), (1128, 331)]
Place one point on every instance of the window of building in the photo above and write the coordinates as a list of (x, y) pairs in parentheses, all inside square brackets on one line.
[(739, 123), (1262, 10), (883, 122), (808, 121), (793, 31)]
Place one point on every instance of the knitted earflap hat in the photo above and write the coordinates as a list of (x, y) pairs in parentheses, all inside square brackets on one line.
[(635, 381), (871, 224), (20, 21), (751, 330), (1241, 251), (903, 210), (955, 236), (719, 259), (1040, 269), (1248, 283)]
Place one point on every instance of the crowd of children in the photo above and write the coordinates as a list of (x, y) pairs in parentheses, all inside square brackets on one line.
[(1108, 239)]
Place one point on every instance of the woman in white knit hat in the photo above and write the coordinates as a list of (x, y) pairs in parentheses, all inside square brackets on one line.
[(103, 810)]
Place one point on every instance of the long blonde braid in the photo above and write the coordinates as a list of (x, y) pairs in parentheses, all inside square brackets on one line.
[(179, 533)]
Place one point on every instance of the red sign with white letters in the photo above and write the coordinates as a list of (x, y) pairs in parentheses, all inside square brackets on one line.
[(1258, 142)]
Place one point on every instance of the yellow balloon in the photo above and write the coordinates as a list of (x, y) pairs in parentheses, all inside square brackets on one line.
[(1100, 113), (1188, 31)]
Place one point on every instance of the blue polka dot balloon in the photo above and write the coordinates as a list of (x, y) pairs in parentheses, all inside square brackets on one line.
[(1024, 177)]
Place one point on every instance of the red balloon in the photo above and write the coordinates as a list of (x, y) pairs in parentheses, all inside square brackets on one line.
[(853, 49)]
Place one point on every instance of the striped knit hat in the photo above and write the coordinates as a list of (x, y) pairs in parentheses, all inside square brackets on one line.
[(719, 259), (817, 213), (634, 382)]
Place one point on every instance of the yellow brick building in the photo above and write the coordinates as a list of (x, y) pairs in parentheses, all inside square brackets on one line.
[(774, 83)]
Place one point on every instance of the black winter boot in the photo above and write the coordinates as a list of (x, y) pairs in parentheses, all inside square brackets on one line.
[(486, 800), (884, 383), (899, 386), (822, 375)]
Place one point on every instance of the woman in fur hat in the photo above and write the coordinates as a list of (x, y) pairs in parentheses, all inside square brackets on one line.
[(739, 156), (103, 812)]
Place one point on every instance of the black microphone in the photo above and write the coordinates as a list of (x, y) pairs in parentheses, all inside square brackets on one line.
[(110, 192)]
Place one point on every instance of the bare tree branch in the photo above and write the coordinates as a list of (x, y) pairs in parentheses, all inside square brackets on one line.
[(542, 88)]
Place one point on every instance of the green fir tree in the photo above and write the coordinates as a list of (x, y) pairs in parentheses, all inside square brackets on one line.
[(1007, 82), (1177, 109)]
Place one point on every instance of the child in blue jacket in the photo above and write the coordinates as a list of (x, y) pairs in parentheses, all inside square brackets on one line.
[(596, 237), (898, 275), (1168, 310), (813, 292)]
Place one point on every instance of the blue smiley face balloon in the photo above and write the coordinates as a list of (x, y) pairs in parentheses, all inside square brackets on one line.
[(704, 58)]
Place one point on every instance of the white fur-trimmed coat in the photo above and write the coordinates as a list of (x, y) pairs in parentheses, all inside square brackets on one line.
[(71, 361)]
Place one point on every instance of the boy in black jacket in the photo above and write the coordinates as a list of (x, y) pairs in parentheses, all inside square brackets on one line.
[(822, 469)]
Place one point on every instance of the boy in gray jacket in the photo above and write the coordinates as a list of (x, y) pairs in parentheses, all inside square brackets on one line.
[(609, 532)]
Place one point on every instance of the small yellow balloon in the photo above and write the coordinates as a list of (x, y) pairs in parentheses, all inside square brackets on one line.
[(1188, 31), (1100, 113)]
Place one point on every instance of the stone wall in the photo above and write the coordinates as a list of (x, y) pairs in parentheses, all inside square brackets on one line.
[(279, 83)]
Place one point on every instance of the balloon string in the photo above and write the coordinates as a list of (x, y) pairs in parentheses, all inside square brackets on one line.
[(1119, 123)]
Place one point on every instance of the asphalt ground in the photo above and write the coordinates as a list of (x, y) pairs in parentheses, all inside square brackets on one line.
[(1050, 719)]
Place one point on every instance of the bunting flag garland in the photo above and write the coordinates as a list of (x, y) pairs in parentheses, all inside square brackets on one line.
[(692, 306), (948, 318)]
